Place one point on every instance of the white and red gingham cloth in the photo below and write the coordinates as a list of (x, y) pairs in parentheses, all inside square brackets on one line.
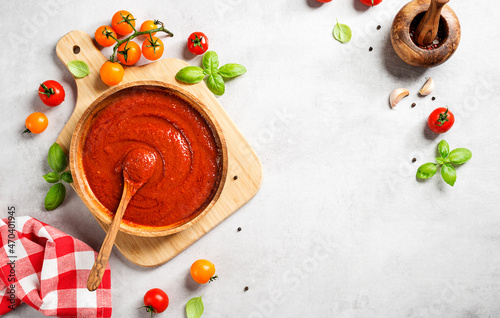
[(50, 271)]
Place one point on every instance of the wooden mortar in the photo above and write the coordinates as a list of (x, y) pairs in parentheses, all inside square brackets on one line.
[(434, 15)]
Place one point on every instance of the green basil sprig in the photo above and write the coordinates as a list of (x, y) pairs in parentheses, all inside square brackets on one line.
[(446, 159), (58, 162), (216, 75), (342, 32), (194, 307)]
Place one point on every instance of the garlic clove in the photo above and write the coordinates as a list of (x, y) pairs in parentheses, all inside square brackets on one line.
[(397, 95), (428, 87)]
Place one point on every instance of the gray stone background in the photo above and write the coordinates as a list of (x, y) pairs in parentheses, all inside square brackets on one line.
[(340, 227)]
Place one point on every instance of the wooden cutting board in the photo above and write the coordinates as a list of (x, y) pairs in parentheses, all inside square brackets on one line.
[(242, 160)]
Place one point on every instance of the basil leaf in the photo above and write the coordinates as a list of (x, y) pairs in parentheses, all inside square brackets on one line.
[(449, 174), (427, 170), (460, 155), (210, 61), (57, 158), (78, 68), (190, 74), (67, 177), (55, 196), (215, 83), (232, 70), (194, 307), (440, 160), (52, 177), (444, 149), (342, 33)]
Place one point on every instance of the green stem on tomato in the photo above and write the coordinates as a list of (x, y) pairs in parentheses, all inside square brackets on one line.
[(47, 91), (443, 117), (108, 34), (213, 278), (134, 35), (150, 309)]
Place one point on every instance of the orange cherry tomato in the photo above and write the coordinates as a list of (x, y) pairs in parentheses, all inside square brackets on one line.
[(36, 123), (129, 53), (123, 22), (148, 25), (111, 73), (203, 271), (152, 48), (105, 35)]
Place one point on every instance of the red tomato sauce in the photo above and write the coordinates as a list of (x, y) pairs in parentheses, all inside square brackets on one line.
[(187, 156)]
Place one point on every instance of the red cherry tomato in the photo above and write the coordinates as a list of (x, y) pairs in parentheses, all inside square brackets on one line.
[(203, 271), (441, 120), (155, 301), (51, 93), (324, 1), (197, 43), (371, 2)]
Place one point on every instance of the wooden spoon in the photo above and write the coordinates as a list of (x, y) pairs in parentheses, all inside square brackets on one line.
[(138, 167), (428, 28)]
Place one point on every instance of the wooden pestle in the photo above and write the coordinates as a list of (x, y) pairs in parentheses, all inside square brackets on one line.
[(428, 28)]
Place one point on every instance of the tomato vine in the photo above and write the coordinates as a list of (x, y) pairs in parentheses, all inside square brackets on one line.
[(136, 33)]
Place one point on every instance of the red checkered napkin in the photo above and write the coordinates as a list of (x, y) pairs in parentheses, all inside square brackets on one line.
[(48, 270)]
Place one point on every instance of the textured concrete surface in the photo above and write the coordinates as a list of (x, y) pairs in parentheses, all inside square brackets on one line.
[(341, 227)]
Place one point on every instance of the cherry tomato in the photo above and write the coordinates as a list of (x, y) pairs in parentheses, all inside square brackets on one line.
[(371, 2), (155, 301), (129, 53), (105, 35), (148, 25), (119, 22), (111, 73), (51, 93), (152, 48), (441, 120), (203, 271), (36, 123), (324, 1), (197, 43)]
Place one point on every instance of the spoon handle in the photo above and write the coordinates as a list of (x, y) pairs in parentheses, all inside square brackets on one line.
[(97, 271), (428, 28)]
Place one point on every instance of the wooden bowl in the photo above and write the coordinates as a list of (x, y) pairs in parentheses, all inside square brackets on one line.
[(80, 180), (412, 54)]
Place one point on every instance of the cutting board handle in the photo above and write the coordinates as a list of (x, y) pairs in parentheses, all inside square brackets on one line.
[(78, 45)]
